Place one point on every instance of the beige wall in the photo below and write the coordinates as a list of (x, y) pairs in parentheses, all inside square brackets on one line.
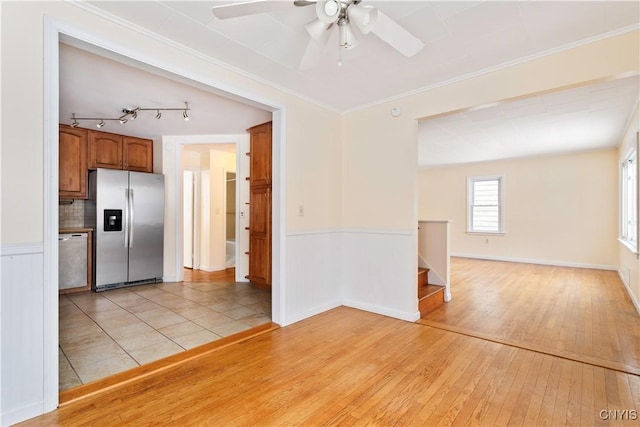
[(629, 262), (558, 209)]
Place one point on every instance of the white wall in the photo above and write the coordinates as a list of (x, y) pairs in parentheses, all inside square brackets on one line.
[(558, 210), (629, 268)]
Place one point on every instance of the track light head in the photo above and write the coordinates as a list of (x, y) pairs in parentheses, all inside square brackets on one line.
[(123, 121), (185, 115), (100, 124), (158, 115)]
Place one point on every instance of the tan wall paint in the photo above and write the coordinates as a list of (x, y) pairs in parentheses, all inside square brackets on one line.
[(629, 262), (558, 209)]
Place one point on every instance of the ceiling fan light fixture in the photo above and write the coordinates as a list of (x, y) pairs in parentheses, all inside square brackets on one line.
[(364, 17), (328, 11), (346, 35)]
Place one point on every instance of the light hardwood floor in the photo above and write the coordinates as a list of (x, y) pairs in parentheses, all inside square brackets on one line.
[(582, 314), (347, 367)]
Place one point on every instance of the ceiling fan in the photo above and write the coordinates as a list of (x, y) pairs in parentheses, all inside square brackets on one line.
[(331, 14)]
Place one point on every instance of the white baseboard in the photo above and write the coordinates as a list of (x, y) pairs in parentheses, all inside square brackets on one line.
[(212, 269), (315, 311), (21, 414), (538, 261), (409, 317), (634, 300)]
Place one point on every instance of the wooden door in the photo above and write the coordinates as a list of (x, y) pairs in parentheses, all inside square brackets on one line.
[(260, 236), (138, 154), (72, 158), (105, 150), (260, 206)]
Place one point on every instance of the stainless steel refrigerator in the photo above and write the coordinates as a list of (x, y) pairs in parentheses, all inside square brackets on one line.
[(129, 227)]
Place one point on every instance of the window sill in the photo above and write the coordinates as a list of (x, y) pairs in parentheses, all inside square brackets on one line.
[(633, 248), (487, 233)]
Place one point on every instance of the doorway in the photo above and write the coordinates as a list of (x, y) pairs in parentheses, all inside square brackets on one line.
[(55, 31)]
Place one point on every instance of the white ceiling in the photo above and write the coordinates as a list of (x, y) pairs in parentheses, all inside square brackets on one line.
[(94, 86), (461, 39), (585, 118)]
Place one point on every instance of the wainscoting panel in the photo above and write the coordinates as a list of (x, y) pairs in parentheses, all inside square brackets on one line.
[(379, 271), (313, 274), (22, 333)]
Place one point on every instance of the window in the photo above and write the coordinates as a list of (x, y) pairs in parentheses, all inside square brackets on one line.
[(485, 204), (629, 201)]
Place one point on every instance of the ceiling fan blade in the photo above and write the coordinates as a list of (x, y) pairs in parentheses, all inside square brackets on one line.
[(234, 10), (315, 50), (303, 2), (396, 36)]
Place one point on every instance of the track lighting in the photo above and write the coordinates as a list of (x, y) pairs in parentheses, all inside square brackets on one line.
[(130, 114)]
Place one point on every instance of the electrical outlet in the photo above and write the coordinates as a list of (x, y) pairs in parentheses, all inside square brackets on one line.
[(241, 214)]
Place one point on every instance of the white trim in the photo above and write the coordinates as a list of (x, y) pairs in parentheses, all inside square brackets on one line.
[(376, 231), (538, 261), (50, 330), (11, 249), (313, 232), (21, 414), (53, 29), (210, 269), (409, 317), (632, 248), (439, 221), (317, 310), (486, 233), (634, 300)]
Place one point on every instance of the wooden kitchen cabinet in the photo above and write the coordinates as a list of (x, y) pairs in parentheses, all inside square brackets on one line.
[(112, 151), (260, 154), (72, 158), (137, 154), (260, 236), (105, 150)]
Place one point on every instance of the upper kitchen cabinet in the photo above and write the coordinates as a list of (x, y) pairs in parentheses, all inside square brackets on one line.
[(105, 150), (260, 152), (72, 175), (111, 151), (138, 154)]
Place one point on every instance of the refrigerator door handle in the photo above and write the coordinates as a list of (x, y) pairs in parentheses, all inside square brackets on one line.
[(131, 211), (126, 217)]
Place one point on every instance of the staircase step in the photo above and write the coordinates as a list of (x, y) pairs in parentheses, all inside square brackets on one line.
[(430, 297), (423, 276)]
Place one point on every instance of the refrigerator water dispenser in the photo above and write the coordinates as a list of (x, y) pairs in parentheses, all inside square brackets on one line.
[(113, 220)]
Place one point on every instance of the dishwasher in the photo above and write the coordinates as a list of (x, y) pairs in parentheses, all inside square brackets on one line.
[(72, 255)]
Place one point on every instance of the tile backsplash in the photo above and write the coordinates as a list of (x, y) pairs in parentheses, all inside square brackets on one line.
[(71, 215)]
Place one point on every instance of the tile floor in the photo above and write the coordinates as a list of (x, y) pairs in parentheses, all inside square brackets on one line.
[(109, 332)]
